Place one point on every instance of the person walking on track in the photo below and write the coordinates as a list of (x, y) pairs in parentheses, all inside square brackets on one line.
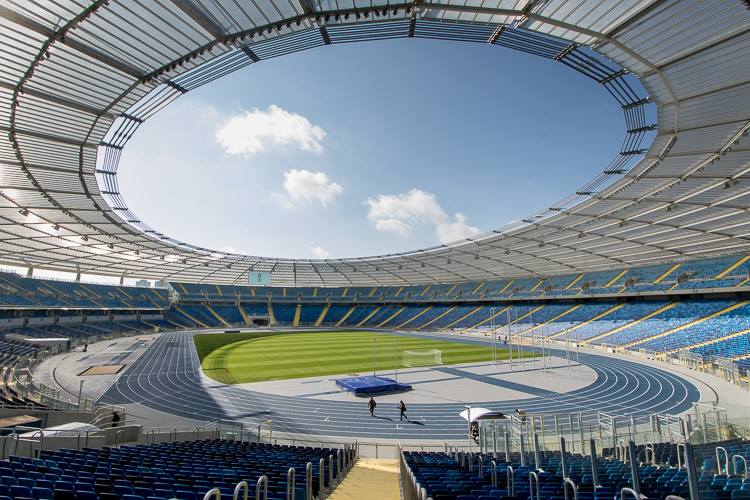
[(372, 404), (402, 409)]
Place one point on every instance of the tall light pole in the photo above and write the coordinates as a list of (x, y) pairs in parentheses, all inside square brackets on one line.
[(492, 332)]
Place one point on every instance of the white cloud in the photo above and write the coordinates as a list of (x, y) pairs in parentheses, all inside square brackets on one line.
[(319, 252), (307, 186), (256, 130), (399, 213), (459, 229), (394, 225)]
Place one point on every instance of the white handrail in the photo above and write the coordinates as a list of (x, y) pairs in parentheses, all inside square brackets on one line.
[(494, 473), (241, 486), (726, 459), (567, 481), (744, 463), (213, 492), (262, 480), (321, 478), (290, 483), (308, 481), (509, 475), (534, 479)]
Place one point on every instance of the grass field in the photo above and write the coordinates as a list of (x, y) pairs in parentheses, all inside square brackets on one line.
[(235, 358)]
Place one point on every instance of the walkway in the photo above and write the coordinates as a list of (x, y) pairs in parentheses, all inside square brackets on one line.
[(370, 478)]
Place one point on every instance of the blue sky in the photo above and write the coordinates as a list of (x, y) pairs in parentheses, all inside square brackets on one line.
[(369, 148)]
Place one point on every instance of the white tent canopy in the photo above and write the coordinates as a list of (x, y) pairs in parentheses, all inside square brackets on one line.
[(474, 414)]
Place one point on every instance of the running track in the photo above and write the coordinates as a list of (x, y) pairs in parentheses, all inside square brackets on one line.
[(168, 378)]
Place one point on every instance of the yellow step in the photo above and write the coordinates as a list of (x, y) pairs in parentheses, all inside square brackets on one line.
[(732, 267), (449, 292), (218, 290), (616, 278), (392, 316), (315, 291), (507, 286), (398, 292), (271, 316), (217, 315), (322, 314), (552, 320), (372, 292), (476, 309), (650, 315), (595, 318), (346, 290), (427, 288), (489, 318), (372, 313), (436, 318), (414, 317), (523, 316), (539, 283), (244, 315), (688, 325), (666, 273), (575, 280), (478, 288), (184, 290), (346, 316), (297, 313), (714, 341), (370, 478), (201, 323)]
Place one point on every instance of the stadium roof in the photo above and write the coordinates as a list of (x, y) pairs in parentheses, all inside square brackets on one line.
[(78, 78)]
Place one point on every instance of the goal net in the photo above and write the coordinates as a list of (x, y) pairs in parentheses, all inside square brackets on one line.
[(423, 357)]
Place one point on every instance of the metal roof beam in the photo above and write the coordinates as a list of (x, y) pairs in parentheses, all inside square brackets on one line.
[(93, 53)]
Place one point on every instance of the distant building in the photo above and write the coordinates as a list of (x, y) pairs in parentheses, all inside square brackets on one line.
[(143, 283)]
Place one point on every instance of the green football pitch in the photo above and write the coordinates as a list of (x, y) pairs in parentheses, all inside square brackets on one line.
[(235, 358)]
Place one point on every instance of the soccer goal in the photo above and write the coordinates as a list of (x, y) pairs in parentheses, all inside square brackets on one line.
[(424, 357)]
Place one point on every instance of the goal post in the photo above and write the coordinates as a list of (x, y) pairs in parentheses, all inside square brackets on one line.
[(424, 357)]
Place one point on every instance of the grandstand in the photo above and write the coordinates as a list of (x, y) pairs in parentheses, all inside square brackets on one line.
[(622, 312)]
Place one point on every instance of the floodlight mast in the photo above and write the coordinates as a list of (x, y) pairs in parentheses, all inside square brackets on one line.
[(492, 333)]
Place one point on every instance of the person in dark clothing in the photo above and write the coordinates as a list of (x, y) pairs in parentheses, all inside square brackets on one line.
[(86, 347), (115, 419), (402, 409), (372, 404)]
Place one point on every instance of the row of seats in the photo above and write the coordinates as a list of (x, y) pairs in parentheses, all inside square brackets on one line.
[(718, 272), (185, 471), (446, 478)]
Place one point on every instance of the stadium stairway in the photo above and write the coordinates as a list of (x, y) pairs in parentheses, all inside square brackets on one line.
[(322, 314), (190, 317), (244, 315), (580, 325), (436, 318), (459, 320), (551, 320), (217, 315), (370, 478), (270, 314), (687, 325), (666, 273), (487, 319), (628, 325), (424, 310), (731, 268), (346, 316), (391, 317), (297, 313), (711, 341), (367, 318)]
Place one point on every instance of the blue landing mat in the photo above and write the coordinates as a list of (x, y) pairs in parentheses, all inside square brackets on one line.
[(370, 385)]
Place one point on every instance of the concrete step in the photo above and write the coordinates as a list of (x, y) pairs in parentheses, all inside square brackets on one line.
[(370, 478)]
